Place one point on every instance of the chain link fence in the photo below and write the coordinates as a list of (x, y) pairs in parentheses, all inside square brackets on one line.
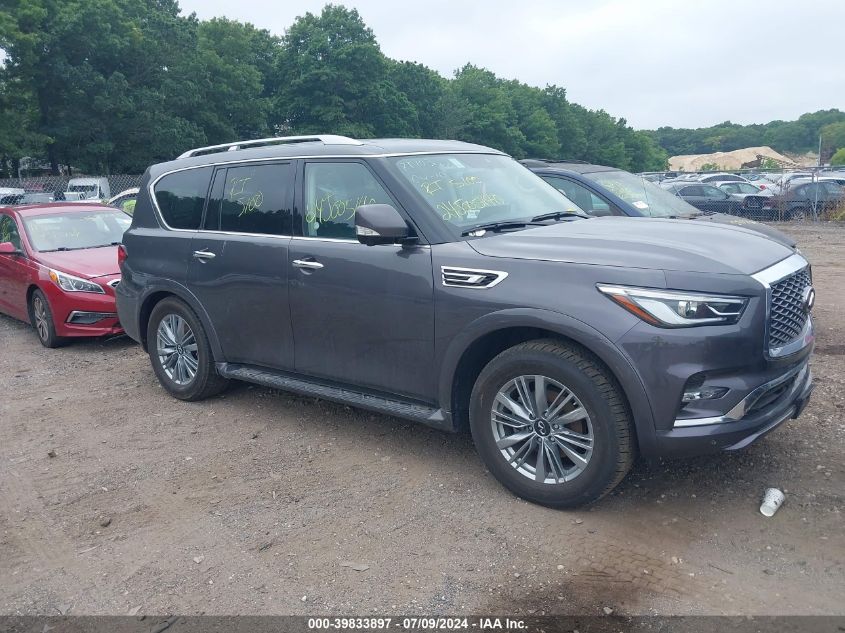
[(41, 189), (805, 194)]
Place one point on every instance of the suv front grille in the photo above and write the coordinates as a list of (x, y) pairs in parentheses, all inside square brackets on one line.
[(787, 316)]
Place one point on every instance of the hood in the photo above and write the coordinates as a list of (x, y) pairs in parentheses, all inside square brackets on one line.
[(732, 220), (87, 263), (650, 243)]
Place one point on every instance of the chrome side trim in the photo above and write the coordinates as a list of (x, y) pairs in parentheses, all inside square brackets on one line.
[(471, 278), (783, 269), (738, 411)]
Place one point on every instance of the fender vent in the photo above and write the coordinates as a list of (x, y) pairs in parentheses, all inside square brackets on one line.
[(471, 277)]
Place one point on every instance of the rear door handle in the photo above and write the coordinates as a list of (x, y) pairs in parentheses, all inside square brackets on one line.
[(307, 264), (204, 255)]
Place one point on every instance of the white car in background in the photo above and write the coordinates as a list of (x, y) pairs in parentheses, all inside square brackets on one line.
[(125, 200)]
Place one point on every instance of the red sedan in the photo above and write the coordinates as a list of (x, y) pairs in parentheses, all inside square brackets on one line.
[(58, 268)]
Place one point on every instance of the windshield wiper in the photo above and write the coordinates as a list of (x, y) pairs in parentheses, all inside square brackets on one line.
[(500, 226), (61, 248), (559, 215), (104, 245)]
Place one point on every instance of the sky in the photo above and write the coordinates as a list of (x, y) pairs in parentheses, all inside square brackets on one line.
[(653, 62)]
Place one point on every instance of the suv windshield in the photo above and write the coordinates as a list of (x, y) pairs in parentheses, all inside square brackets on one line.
[(648, 198), (468, 190), (72, 231)]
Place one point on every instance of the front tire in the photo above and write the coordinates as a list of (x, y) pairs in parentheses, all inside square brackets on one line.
[(180, 354), (41, 317), (551, 424)]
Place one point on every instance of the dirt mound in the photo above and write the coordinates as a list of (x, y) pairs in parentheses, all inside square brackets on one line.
[(737, 159)]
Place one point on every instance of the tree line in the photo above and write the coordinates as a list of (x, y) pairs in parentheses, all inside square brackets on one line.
[(111, 86), (798, 136)]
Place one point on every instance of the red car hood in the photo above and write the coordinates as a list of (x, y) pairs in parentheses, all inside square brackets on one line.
[(87, 263)]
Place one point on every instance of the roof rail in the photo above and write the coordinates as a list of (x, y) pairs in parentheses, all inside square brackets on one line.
[(326, 139)]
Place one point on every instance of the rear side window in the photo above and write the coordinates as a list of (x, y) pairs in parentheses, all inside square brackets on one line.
[(253, 199), (181, 197), (692, 191)]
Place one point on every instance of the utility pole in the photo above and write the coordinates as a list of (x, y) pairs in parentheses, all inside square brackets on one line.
[(820, 150)]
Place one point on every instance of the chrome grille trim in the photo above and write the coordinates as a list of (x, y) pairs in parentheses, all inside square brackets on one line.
[(787, 316), (788, 328), (455, 277)]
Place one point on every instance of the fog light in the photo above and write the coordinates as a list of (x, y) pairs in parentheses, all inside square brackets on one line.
[(704, 393)]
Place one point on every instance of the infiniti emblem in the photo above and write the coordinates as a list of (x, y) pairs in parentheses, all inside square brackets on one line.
[(808, 299), (542, 428)]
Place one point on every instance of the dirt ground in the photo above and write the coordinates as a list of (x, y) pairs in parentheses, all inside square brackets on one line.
[(259, 502)]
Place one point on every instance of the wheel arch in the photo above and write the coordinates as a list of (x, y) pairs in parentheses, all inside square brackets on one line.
[(155, 296), (488, 336)]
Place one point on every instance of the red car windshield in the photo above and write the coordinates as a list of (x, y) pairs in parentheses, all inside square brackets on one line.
[(73, 231)]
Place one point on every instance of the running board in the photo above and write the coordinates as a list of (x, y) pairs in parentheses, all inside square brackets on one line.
[(417, 412)]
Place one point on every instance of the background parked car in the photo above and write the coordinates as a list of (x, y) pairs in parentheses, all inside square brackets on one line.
[(8, 195), (125, 200), (722, 177), (601, 190), (805, 198), (703, 196), (58, 268)]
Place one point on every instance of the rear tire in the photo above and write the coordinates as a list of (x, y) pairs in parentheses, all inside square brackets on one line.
[(41, 318), (588, 443), (180, 353)]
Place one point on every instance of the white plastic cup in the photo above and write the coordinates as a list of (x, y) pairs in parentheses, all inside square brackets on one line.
[(772, 500)]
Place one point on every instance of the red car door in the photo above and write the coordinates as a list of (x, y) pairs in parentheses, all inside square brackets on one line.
[(14, 271)]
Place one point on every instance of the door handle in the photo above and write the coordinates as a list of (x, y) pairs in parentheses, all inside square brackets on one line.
[(307, 264), (204, 255)]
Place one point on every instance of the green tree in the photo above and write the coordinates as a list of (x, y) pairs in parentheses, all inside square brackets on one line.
[(425, 89), (107, 78), (332, 76), (838, 158), (491, 118), (232, 62)]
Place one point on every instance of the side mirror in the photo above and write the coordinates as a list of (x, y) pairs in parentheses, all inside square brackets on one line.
[(379, 224), (7, 248)]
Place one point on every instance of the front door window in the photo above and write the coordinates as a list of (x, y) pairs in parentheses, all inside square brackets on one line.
[(332, 193)]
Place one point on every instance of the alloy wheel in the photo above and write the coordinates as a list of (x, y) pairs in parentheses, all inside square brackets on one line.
[(542, 429), (176, 346), (39, 311)]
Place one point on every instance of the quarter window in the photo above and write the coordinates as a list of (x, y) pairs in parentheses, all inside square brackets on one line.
[(252, 199), (9, 231), (181, 197), (332, 193)]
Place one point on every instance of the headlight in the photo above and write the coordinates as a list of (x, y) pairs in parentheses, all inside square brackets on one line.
[(69, 283), (668, 308)]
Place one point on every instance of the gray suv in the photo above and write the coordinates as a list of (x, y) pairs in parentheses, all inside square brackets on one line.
[(445, 283)]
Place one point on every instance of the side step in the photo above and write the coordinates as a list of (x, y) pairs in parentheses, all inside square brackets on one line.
[(417, 412)]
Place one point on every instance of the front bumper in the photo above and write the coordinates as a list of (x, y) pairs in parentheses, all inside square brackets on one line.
[(73, 312), (760, 412)]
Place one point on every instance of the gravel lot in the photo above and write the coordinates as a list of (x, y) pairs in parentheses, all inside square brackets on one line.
[(259, 502)]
